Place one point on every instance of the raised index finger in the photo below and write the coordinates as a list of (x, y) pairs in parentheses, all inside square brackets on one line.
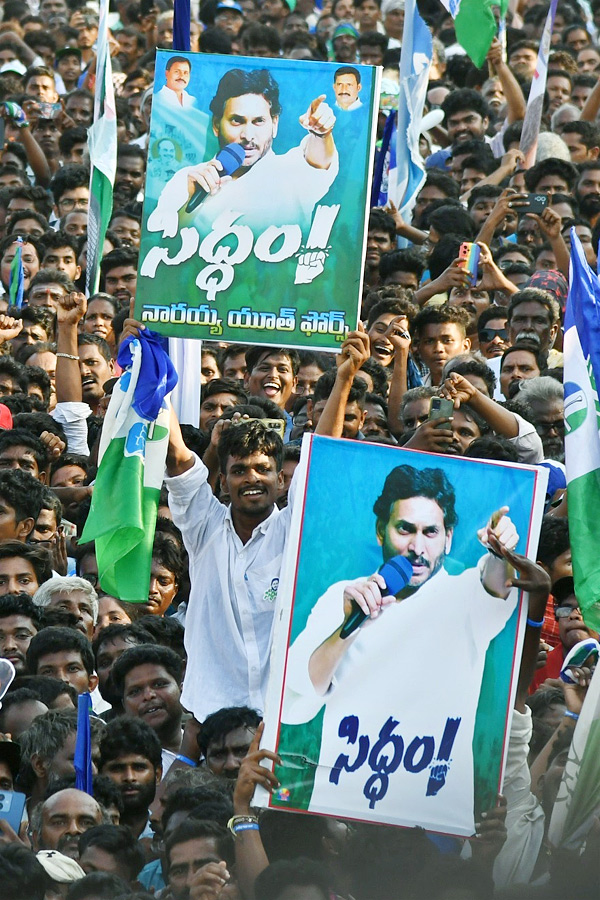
[(316, 103), (254, 746)]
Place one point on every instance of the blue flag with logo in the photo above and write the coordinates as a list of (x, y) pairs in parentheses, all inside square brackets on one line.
[(415, 59), (133, 448), (582, 428)]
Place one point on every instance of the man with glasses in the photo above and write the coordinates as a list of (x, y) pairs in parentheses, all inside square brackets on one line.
[(70, 189), (571, 630), (545, 405), (492, 332)]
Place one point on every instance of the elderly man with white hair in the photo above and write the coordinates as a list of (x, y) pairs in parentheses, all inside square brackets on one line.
[(71, 594), (74, 595), (392, 15)]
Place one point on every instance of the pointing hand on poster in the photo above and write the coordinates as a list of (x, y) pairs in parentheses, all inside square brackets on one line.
[(532, 578), (501, 527), (319, 118)]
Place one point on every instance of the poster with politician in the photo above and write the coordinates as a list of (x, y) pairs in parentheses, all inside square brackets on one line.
[(256, 199), (398, 717)]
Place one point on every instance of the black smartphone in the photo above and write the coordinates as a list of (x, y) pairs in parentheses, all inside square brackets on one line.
[(535, 203)]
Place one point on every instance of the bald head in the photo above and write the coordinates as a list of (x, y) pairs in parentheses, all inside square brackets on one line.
[(63, 819)]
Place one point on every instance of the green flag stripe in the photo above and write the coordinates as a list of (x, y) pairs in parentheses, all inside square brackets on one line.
[(584, 502), (124, 530)]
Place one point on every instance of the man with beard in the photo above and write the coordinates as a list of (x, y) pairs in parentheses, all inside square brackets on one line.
[(129, 178), (60, 821), (148, 679), (224, 739), (19, 623), (118, 274), (130, 755), (95, 366), (545, 404)]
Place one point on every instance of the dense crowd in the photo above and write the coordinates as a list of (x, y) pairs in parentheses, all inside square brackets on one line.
[(177, 683)]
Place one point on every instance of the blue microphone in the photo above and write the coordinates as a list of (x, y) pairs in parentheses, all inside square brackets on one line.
[(396, 573), (231, 158)]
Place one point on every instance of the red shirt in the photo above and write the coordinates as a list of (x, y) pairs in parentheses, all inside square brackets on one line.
[(552, 668), (550, 632)]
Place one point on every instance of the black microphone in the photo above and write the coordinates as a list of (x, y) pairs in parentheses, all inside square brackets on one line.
[(231, 158), (396, 573)]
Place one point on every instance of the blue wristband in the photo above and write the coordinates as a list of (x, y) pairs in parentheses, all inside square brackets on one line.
[(245, 826), (533, 624), (186, 760), (571, 715)]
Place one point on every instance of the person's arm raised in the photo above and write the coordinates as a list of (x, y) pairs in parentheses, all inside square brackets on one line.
[(354, 353), (250, 856), (70, 311), (400, 340)]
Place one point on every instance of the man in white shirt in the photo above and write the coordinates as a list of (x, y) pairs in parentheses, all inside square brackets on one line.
[(177, 76), (347, 87), (385, 747), (235, 551)]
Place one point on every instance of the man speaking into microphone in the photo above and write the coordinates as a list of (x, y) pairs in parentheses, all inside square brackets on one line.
[(374, 682), (246, 111)]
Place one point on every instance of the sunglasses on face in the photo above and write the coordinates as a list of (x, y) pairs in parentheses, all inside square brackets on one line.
[(563, 612), (488, 334)]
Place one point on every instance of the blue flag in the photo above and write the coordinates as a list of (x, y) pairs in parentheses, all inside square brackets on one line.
[(385, 165), (17, 277), (83, 746), (417, 51), (181, 25)]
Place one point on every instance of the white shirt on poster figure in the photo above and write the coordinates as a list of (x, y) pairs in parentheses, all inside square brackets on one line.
[(383, 753), (268, 188), (173, 94), (387, 664)]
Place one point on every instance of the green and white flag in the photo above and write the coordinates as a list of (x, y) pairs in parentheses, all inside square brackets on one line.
[(102, 146), (133, 449), (475, 25), (582, 428)]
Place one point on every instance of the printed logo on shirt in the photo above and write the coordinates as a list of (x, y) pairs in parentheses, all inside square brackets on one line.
[(270, 595)]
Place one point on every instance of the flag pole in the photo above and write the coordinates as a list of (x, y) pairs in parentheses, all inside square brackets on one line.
[(102, 146)]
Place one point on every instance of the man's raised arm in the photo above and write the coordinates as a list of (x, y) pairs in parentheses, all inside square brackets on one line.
[(354, 354)]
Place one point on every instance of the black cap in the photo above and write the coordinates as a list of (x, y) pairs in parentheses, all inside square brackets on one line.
[(563, 589)]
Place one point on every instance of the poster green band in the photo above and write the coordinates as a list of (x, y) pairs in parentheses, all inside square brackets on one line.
[(256, 199)]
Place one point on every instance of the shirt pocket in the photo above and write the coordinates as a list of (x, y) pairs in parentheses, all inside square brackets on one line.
[(263, 583)]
